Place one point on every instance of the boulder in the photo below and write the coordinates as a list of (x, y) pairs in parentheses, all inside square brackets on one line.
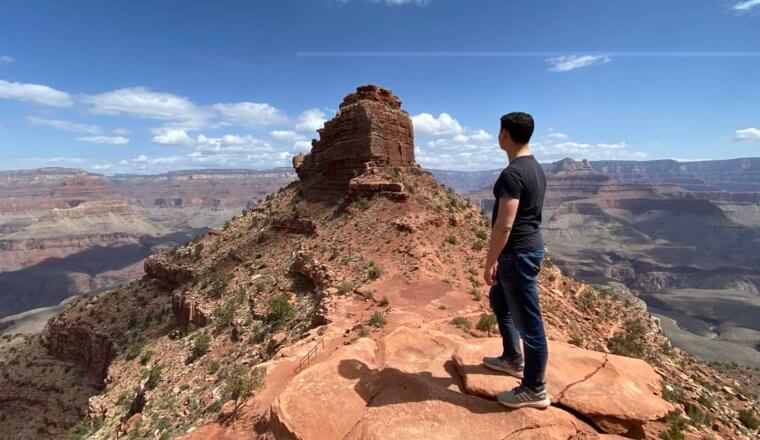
[(619, 394), (404, 386)]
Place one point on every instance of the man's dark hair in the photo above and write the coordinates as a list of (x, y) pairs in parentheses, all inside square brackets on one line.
[(519, 125)]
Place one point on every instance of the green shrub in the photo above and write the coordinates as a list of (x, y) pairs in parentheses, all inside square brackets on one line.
[(154, 375), (374, 271), (478, 245), (377, 320), (462, 322), (486, 323), (241, 382), (475, 293), (145, 358), (628, 342), (213, 367), (451, 239), (453, 221), (576, 340), (481, 234), (344, 287), (749, 419), (677, 425), (280, 311), (219, 283), (383, 302), (200, 346), (672, 393)]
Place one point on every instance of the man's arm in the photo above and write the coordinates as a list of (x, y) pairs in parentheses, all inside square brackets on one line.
[(499, 236)]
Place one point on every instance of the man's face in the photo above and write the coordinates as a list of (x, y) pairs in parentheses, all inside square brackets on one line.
[(504, 139)]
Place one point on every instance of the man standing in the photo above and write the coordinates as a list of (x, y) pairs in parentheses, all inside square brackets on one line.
[(517, 248)]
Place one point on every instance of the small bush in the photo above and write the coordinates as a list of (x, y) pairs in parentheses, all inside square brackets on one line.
[(486, 323), (200, 346), (478, 245), (384, 302), (377, 320), (627, 342), (453, 221), (145, 358), (672, 394), (219, 283), (677, 425), (344, 287), (475, 293), (154, 375), (213, 367), (451, 239), (576, 340), (363, 332), (242, 381), (481, 234), (280, 311), (749, 419), (374, 271), (462, 322)]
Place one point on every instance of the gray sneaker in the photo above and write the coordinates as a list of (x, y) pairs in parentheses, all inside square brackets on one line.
[(505, 366), (522, 397)]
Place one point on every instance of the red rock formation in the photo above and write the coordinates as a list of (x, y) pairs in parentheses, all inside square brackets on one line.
[(370, 130), (157, 267), (80, 344)]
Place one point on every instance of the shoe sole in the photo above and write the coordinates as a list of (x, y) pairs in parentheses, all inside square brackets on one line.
[(540, 404), (514, 373)]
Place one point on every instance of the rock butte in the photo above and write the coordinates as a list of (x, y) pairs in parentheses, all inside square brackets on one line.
[(369, 132)]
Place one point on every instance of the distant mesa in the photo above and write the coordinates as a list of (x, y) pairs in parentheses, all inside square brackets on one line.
[(370, 132)]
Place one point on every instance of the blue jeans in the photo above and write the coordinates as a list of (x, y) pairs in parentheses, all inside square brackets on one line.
[(514, 300)]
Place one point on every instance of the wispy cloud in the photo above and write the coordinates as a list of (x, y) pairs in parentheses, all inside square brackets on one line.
[(58, 124), (746, 5), (5, 59), (250, 114), (106, 140), (395, 2), (36, 93), (141, 102), (748, 134), (572, 62)]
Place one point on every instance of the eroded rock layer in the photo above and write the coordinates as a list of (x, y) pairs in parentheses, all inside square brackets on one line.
[(370, 130)]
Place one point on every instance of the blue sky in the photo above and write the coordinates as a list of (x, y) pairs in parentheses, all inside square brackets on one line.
[(150, 86)]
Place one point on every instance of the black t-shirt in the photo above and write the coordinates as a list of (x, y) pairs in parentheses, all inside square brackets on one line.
[(523, 179)]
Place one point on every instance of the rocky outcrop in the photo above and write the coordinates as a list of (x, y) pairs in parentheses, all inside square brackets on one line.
[(370, 130), (408, 378), (320, 275), (157, 266), (81, 344), (188, 311), (619, 394), (296, 224), (401, 388)]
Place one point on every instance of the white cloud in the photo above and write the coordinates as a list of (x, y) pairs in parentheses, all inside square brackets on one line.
[(286, 135), (572, 62), (5, 59), (107, 140), (74, 127), (746, 6), (557, 135), (428, 125), (171, 136), (251, 114), (36, 93), (748, 134), (310, 121), (141, 102), (548, 149)]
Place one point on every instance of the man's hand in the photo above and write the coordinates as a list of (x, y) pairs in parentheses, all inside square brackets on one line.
[(489, 275)]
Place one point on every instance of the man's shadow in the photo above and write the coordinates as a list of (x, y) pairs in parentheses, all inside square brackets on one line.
[(390, 386)]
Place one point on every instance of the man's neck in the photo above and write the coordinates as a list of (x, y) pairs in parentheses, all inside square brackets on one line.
[(524, 150)]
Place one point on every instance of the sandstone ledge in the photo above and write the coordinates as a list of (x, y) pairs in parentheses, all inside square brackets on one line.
[(406, 386)]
